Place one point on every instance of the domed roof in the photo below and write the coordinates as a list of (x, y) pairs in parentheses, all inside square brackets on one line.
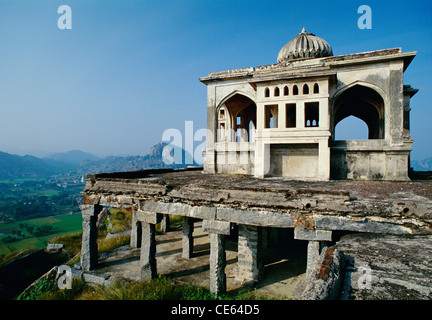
[(304, 45)]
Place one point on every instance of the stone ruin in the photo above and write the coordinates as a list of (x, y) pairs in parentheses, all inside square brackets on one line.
[(272, 163)]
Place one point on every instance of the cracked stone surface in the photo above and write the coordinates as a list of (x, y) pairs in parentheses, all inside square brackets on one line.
[(387, 267)]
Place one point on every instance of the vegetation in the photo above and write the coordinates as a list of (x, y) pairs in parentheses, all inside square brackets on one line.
[(22, 199), (158, 289), (36, 233)]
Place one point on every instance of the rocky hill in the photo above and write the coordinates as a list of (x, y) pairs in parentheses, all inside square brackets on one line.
[(153, 160), (422, 165), (79, 163)]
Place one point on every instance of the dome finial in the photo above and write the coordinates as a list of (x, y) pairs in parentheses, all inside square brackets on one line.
[(304, 46)]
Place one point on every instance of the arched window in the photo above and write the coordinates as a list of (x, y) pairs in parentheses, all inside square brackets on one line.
[(286, 91), (267, 92), (316, 88), (295, 90), (305, 89), (276, 92), (312, 114)]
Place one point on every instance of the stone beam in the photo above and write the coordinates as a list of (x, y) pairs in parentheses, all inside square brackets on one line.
[(218, 227), (312, 235), (261, 218), (148, 217), (200, 212)]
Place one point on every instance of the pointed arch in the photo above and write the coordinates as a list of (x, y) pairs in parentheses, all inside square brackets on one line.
[(240, 110), (364, 103)]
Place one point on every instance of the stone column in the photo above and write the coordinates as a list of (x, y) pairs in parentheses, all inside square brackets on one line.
[(187, 240), (148, 243), (165, 223), (217, 264), (316, 238), (313, 253), (89, 250), (249, 256), (217, 230), (148, 251), (136, 232)]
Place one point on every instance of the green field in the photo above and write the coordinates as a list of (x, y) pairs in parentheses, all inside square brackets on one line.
[(62, 225)]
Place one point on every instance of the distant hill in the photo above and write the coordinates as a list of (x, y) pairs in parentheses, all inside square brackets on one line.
[(73, 156), (153, 160), (78, 162), (13, 166), (422, 165)]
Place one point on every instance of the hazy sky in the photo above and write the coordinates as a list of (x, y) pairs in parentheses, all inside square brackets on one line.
[(128, 70)]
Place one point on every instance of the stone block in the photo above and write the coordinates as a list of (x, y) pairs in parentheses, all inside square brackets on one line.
[(312, 235), (148, 217), (89, 210), (178, 208), (261, 218), (202, 212), (95, 278), (218, 227), (156, 206)]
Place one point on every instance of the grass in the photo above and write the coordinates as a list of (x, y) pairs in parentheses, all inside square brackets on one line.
[(63, 225), (158, 289)]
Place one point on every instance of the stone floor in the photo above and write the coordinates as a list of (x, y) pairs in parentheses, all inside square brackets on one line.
[(387, 267), (284, 266)]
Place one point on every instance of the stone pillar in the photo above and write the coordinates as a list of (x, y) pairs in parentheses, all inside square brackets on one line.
[(187, 240), (89, 250), (165, 223), (249, 256), (148, 243), (217, 230), (217, 263), (316, 238), (313, 253), (148, 251), (136, 232)]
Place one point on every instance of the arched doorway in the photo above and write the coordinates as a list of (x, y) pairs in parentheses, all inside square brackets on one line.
[(237, 119), (363, 103)]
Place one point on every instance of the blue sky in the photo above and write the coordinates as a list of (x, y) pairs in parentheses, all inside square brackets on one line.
[(128, 70)]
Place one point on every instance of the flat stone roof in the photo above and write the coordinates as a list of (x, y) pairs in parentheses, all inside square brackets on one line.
[(403, 203), (311, 66)]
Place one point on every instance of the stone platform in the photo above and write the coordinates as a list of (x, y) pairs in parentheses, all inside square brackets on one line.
[(253, 208)]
